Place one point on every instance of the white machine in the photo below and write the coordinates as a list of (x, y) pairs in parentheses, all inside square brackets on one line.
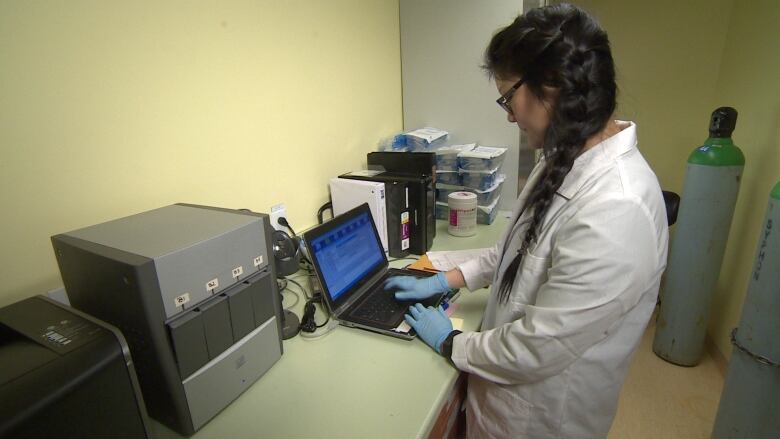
[(347, 194)]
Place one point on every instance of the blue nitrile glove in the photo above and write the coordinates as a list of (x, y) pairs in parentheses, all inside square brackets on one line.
[(431, 324), (415, 288)]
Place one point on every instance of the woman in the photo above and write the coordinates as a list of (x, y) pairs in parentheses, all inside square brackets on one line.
[(575, 277)]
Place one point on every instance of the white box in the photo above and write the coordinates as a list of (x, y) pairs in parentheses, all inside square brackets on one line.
[(347, 194)]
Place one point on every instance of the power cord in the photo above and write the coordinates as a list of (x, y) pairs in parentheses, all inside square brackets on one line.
[(309, 327), (322, 210), (314, 331), (282, 283), (300, 287), (308, 324), (322, 332), (305, 264)]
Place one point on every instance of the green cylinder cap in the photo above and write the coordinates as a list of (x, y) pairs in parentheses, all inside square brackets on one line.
[(776, 191), (719, 149)]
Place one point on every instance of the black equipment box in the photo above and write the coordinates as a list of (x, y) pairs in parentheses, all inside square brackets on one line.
[(419, 195), (65, 374)]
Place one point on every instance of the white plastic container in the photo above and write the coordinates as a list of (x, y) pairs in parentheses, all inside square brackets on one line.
[(447, 156), (481, 158), (463, 213)]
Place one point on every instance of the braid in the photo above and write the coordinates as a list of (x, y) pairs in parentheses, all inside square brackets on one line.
[(562, 47), (540, 200)]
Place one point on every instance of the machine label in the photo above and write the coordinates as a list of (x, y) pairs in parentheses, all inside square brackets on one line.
[(259, 261), (238, 271), (212, 284), (181, 300), (405, 230)]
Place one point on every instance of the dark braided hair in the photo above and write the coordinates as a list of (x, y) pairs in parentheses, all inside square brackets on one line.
[(562, 47)]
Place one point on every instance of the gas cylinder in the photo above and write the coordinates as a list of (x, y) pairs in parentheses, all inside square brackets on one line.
[(750, 402), (707, 205)]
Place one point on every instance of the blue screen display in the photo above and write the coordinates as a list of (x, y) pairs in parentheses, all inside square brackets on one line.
[(347, 253)]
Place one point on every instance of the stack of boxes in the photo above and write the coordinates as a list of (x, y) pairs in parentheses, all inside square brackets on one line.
[(470, 168)]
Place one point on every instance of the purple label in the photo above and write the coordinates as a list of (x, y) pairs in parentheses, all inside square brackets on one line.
[(404, 230), (453, 217)]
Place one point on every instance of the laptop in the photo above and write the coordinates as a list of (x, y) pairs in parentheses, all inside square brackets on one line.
[(351, 267)]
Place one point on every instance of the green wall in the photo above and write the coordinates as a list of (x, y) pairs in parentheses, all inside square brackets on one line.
[(749, 80), (677, 61), (110, 108), (667, 55)]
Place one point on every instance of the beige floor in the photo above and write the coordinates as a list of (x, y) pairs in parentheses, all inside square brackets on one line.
[(660, 400)]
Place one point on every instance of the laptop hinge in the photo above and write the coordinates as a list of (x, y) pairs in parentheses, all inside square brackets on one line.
[(359, 294)]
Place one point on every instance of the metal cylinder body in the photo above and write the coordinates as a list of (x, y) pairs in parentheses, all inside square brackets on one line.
[(709, 195), (750, 402)]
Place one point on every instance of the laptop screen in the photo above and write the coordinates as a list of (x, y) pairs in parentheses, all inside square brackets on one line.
[(347, 253)]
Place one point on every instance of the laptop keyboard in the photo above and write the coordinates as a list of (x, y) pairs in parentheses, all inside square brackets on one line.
[(380, 307)]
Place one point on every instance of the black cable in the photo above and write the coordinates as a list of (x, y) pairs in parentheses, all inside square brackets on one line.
[(298, 276), (283, 222), (327, 319), (308, 324), (307, 321), (282, 283), (297, 299), (322, 210), (305, 264), (301, 288)]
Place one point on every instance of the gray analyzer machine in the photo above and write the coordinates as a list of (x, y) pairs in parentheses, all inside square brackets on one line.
[(193, 289)]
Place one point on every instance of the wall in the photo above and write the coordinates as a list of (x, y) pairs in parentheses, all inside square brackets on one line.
[(677, 61), (442, 44), (667, 55), (113, 108), (748, 82)]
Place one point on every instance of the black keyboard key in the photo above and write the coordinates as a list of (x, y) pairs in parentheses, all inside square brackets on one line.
[(380, 307)]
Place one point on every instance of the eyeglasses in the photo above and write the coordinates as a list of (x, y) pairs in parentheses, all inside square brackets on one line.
[(506, 98)]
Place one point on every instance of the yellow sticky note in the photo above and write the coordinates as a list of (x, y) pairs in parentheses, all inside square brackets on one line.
[(456, 323)]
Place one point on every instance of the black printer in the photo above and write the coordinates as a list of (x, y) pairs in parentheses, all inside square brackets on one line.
[(418, 196), (65, 374)]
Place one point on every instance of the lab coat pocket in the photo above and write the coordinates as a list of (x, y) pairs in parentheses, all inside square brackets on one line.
[(535, 264), (533, 273), (496, 411)]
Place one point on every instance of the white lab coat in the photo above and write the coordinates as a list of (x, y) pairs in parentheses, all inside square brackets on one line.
[(551, 361)]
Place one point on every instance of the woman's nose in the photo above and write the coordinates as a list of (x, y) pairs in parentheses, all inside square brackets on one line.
[(511, 118)]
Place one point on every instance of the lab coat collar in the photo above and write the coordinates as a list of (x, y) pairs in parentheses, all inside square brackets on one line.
[(600, 155)]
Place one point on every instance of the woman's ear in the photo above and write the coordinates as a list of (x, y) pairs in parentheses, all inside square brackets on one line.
[(550, 96)]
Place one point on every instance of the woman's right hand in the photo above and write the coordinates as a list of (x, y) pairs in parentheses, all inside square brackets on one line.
[(414, 288)]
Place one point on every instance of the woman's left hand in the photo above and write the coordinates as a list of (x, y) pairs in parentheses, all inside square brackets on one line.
[(431, 324)]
